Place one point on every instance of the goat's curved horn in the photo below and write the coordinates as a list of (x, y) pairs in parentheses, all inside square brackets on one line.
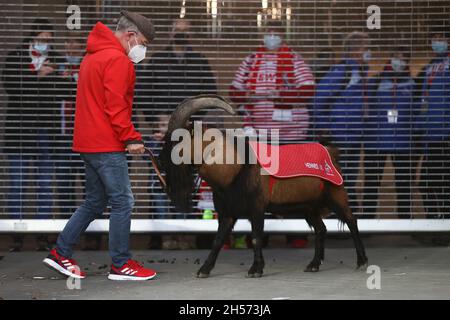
[(190, 106)]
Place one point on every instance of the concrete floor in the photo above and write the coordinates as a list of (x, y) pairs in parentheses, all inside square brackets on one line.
[(409, 270)]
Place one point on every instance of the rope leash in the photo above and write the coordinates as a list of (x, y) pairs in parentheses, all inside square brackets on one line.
[(155, 166)]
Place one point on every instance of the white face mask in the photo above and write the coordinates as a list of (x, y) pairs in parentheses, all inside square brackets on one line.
[(398, 64), (137, 53), (440, 46), (41, 47), (367, 56), (272, 42), (74, 60)]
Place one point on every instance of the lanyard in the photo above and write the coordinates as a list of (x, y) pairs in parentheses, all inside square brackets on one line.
[(394, 93), (366, 96), (434, 71)]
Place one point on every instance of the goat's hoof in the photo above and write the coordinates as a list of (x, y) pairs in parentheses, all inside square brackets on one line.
[(362, 267), (254, 275), (311, 268), (202, 275)]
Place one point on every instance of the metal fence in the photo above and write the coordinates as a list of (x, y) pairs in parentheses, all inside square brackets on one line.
[(389, 114)]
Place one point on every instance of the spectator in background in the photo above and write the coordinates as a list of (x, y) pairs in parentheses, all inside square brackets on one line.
[(388, 132), (30, 79), (433, 125), (340, 105), (172, 75), (324, 60), (274, 85), (66, 163)]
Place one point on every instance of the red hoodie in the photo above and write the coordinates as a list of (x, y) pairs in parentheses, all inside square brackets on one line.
[(104, 96)]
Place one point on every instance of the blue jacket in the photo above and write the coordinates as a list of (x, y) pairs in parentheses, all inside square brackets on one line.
[(434, 119), (392, 94), (339, 103)]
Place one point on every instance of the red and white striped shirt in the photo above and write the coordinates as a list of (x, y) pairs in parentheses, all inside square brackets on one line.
[(274, 89)]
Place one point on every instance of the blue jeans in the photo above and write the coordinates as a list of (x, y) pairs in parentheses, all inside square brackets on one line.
[(107, 183)]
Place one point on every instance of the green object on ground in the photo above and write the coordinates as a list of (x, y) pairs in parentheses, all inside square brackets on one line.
[(208, 214), (240, 242)]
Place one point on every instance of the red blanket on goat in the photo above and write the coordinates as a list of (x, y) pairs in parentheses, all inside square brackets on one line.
[(294, 160)]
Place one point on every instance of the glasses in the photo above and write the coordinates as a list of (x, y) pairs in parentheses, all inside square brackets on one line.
[(137, 34)]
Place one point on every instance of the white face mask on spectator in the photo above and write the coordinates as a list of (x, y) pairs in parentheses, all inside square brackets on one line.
[(440, 46), (398, 64), (272, 42), (367, 56), (74, 60), (41, 47), (137, 53)]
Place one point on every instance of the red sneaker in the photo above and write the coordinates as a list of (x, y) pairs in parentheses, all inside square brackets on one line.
[(66, 266), (132, 270)]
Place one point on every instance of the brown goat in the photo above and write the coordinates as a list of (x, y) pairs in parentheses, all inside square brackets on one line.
[(241, 191)]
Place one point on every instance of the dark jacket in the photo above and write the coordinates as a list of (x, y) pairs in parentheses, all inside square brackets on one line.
[(339, 103), (167, 80), (392, 92), (33, 107), (69, 73), (434, 120)]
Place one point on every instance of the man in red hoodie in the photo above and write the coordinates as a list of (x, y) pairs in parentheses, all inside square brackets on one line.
[(103, 133)]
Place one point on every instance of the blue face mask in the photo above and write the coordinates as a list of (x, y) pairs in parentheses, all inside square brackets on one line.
[(41, 47), (74, 60), (440, 46), (272, 42)]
